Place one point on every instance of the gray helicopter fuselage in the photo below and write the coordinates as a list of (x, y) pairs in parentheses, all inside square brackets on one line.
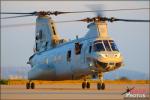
[(53, 64)]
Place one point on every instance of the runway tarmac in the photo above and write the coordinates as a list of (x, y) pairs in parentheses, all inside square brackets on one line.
[(68, 91)]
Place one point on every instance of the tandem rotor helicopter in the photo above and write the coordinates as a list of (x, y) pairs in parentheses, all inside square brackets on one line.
[(55, 58)]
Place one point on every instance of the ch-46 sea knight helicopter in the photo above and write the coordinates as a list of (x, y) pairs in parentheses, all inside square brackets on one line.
[(55, 58)]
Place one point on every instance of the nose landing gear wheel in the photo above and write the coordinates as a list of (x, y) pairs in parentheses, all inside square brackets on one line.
[(101, 86)]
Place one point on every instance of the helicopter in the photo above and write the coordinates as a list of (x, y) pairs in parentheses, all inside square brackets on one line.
[(59, 59)]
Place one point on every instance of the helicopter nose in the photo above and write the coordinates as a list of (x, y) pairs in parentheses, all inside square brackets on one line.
[(110, 57), (109, 62), (108, 66)]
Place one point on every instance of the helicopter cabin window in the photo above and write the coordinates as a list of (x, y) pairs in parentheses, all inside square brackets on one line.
[(98, 46), (37, 37), (69, 56), (53, 30), (40, 34), (107, 46), (78, 48), (90, 49), (36, 47), (113, 45), (46, 45)]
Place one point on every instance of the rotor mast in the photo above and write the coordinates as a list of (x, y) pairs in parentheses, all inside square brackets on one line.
[(97, 27), (101, 28)]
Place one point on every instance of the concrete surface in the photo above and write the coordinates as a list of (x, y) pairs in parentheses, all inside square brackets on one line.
[(68, 91)]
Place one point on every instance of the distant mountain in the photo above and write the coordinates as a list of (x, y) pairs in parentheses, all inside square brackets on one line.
[(18, 72), (133, 75), (22, 72)]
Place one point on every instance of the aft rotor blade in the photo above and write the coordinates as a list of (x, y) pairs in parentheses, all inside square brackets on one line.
[(16, 16), (17, 25), (16, 13), (68, 21), (63, 12)]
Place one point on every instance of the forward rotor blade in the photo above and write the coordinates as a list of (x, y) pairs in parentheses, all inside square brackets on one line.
[(16, 16), (94, 7), (129, 20)]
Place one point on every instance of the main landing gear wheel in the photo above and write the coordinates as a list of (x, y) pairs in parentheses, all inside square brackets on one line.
[(85, 85), (88, 85), (30, 85)]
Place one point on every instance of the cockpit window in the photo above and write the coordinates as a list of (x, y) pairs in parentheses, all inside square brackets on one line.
[(107, 45), (113, 45), (98, 46)]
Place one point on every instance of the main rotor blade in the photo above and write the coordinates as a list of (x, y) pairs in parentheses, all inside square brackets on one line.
[(16, 16), (68, 21), (127, 20), (103, 10), (96, 7), (16, 13), (17, 25), (63, 12)]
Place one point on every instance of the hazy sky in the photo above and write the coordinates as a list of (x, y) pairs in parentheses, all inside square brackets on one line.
[(132, 38)]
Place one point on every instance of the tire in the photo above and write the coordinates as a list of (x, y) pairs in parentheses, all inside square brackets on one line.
[(83, 85), (32, 85), (88, 85), (103, 86), (27, 85), (99, 86)]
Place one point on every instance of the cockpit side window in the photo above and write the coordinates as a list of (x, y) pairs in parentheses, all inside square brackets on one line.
[(113, 45)]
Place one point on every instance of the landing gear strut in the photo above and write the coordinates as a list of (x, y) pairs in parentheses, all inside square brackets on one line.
[(100, 84), (30, 85), (85, 84)]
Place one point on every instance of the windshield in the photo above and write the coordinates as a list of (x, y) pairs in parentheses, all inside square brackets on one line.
[(105, 45), (98, 46)]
